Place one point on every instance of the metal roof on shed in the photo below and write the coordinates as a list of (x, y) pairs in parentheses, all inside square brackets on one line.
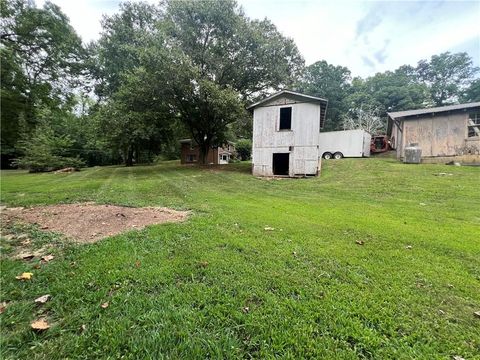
[(401, 114), (289, 92)]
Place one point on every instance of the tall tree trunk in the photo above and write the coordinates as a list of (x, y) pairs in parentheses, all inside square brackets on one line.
[(204, 147), (129, 158)]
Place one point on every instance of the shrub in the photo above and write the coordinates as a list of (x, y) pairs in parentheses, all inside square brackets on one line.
[(244, 149), (46, 151)]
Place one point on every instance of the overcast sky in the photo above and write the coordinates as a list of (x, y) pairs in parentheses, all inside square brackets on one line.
[(365, 36)]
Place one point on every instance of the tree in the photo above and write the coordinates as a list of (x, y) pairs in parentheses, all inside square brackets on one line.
[(329, 82), (244, 149), (251, 57), (206, 58), (365, 118), (228, 58), (472, 93), (124, 37), (447, 76), (45, 150), (42, 62), (137, 120), (390, 91), (206, 108)]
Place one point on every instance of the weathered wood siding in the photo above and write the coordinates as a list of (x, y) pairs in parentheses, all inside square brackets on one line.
[(300, 142), (438, 136)]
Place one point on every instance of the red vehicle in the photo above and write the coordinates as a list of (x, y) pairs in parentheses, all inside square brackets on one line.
[(379, 144)]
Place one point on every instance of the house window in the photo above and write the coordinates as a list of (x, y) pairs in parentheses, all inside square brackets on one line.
[(286, 118), (225, 157), (473, 124), (191, 158)]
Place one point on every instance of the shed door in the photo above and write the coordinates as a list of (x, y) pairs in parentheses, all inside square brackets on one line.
[(281, 163)]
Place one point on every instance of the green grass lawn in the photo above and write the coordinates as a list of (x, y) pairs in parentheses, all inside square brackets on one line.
[(182, 290)]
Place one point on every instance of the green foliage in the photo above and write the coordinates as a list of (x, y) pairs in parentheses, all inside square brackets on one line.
[(446, 75), (472, 93), (180, 69), (329, 82), (190, 62), (46, 151), (250, 56), (42, 61), (244, 149), (219, 286), (137, 120), (390, 91), (124, 37), (207, 109)]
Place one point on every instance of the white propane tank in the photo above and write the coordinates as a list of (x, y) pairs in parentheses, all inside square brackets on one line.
[(413, 154)]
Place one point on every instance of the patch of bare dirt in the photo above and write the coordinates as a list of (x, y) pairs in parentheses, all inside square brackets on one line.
[(88, 222)]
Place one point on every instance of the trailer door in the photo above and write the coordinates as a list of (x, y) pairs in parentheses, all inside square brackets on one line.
[(367, 139)]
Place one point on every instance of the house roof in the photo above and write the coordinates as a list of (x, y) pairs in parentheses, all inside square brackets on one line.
[(289, 92), (434, 110), (189, 141)]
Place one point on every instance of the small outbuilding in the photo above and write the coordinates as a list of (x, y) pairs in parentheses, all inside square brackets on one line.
[(443, 133), (286, 129), (219, 155)]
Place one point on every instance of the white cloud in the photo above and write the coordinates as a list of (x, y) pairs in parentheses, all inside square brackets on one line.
[(370, 37), (365, 36), (85, 15)]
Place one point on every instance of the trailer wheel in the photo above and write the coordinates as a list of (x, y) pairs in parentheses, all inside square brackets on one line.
[(337, 155), (327, 155)]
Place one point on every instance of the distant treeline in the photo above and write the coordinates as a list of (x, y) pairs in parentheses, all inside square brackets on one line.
[(180, 69)]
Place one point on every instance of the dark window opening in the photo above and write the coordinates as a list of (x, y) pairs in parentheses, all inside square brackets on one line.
[(191, 158), (285, 118), (280, 164)]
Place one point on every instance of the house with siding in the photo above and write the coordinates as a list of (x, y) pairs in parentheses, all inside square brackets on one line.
[(286, 129), (219, 155), (443, 133)]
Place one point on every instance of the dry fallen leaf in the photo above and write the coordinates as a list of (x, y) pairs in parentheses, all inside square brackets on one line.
[(24, 276), (137, 263), (203, 264), (40, 325), (477, 314), (246, 309), (268, 228), (456, 357), (83, 328), (3, 306), (43, 299), (26, 242), (47, 258), (408, 247), (359, 242), (44, 227), (105, 305)]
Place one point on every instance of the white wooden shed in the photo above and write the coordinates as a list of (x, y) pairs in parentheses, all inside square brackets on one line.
[(286, 129)]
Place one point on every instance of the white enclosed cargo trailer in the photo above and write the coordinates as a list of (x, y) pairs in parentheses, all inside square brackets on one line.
[(348, 143)]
